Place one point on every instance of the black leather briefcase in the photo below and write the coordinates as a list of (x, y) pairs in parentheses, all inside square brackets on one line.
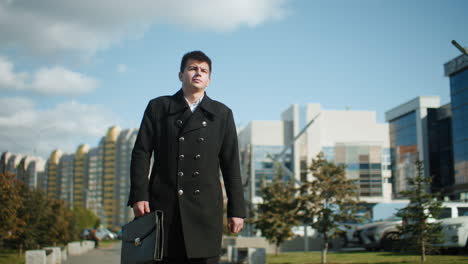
[(142, 239)]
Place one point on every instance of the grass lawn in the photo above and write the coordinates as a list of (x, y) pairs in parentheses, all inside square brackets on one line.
[(10, 257), (107, 243), (362, 258)]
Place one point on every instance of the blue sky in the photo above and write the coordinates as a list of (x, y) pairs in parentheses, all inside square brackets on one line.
[(68, 71)]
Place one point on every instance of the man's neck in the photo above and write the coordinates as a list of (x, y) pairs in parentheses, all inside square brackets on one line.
[(192, 95)]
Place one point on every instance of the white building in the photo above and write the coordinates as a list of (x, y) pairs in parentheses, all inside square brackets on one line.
[(28, 169), (347, 137), (124, 147), (65, 179)]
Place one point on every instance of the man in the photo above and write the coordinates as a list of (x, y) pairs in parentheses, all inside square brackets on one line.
[(192, 137)]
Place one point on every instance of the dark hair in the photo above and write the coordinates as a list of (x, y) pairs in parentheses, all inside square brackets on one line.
[(194, 55)]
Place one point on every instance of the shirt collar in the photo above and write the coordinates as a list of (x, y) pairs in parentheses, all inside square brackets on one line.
[(195, 104), (178, 103)]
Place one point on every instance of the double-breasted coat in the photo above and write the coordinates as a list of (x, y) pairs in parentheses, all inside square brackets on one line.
[(189, 151)]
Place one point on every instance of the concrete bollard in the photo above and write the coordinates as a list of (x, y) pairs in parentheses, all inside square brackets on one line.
[(36, 257), (57, 255), (50, 257), (257, 255), (230, 253), (74, 248), (246, 255), (87, 245), (64, 254)]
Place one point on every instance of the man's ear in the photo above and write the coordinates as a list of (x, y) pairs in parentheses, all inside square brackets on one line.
[(180, 76)]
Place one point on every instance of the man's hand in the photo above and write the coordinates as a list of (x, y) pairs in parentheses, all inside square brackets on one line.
[(235, 224), (141, 208)]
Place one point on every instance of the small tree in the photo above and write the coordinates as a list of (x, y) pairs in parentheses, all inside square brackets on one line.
[(85, 218), (417, 231), (328, 200), (63, 226), (277, 214)]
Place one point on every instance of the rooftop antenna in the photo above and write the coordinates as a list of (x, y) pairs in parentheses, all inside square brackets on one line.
[(459, 47)]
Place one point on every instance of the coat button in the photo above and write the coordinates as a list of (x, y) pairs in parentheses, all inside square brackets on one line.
[(181, 192), (204, 123), (196, 192), (180, 174), (201, 140), (181, 139), (179, 122), (195, 174), (181, 156), (197, 157)]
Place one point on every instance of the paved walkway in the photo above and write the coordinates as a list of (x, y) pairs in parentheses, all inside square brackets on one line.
[(98, 256)]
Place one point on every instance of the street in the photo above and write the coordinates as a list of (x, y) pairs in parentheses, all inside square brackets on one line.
[(98, 256)]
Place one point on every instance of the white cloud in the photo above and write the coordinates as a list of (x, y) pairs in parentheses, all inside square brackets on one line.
[(26, 129), (50, 81), (12, 105), (8, 78), (58, 80), (122, 68), (86, 26)]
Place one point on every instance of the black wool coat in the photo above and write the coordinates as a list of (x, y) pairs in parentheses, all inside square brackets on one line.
[(189, 151)]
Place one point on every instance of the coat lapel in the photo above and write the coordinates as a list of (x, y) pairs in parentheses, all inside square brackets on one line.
[(196, 121), (180, 110)]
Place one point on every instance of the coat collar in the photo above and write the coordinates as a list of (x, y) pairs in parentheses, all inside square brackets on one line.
[(179, 103)]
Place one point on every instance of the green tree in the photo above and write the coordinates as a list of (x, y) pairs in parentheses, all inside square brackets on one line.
[(85, 218), (328, 200), (417, 231), (277, 213), (63, 225), (34, 213), (28, 219), (11, 201)]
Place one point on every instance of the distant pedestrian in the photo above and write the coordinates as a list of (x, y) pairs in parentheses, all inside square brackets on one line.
[(191, 137), (93, 236)]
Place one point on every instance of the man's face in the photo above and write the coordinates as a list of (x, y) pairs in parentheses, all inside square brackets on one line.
[(196, 75)]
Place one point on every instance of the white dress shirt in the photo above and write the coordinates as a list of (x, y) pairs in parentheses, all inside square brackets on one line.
[(195, 104)]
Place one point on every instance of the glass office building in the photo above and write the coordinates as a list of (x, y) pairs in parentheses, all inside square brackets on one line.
[(409, 140), (264, 166), (457, 70), (404, 150), (439, 124), (365, 164)]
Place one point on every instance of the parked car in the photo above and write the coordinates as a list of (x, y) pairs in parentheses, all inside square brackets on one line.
[(84, 234), (455, 232), (349, 228), (380, 234), (384, 234), (104, 233)]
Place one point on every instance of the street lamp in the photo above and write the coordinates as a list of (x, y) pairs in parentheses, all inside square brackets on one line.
[(459, 47)]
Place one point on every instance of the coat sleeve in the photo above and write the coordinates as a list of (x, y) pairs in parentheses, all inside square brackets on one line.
[(141, 158), (230, 168)]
